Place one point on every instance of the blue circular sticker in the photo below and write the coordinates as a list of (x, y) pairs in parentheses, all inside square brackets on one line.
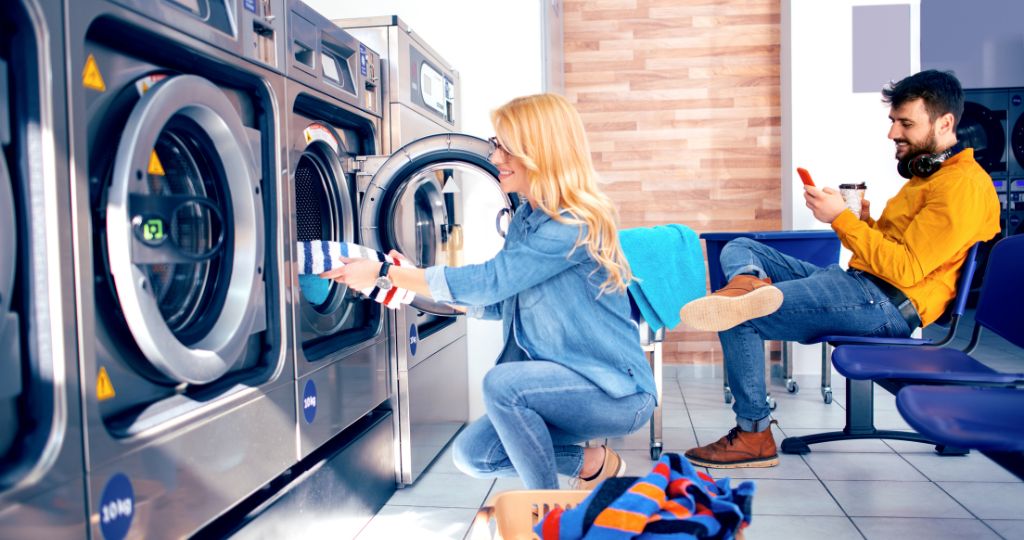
[(414, 338), (117, 507), (309, 401)]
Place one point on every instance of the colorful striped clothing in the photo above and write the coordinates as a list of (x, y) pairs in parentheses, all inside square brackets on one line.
[(674, 501), (318, 256)]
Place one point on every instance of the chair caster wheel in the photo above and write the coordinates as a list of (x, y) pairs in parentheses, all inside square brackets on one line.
[(792, 387), (655, 453), (827, 396), (771, 403), (728, 397)]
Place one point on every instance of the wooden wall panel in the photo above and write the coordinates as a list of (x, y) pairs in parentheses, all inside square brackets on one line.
[(681, 102)]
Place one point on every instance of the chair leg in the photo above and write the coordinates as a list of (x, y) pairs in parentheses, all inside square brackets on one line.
[(726, 391), (860, 424), (787, 368), (826, 374), (656, 431)]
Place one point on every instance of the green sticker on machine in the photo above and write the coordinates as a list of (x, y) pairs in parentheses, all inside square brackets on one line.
[(153, 230)]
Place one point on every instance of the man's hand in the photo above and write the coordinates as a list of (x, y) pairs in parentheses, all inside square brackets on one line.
[(826, 204), (865, 209)]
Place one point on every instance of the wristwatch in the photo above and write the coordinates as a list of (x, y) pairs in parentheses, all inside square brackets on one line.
[(383, 281)]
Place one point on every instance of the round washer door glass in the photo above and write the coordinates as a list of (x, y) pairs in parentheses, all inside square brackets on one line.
[(184, 230), (438, 202), (983, 130)]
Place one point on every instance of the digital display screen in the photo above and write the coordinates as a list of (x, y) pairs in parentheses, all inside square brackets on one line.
[(195, 6), (336, 70), (330, 68)]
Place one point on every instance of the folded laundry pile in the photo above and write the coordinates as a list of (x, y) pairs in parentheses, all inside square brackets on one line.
[(318, 256), (673, 501)]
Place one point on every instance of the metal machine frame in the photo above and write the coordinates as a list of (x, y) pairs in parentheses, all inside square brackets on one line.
[(421, 98), (225, 426), (42, 481)]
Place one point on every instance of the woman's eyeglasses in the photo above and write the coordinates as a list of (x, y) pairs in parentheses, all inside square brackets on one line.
[(495, 146)]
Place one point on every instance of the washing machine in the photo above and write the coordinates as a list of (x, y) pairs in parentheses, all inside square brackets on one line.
[(421, 98), (175, 120), (333, 115), (42, 480), (1015, 190)]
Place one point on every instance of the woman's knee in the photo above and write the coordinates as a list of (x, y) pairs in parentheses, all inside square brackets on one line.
[(468, 457), (498, 384)]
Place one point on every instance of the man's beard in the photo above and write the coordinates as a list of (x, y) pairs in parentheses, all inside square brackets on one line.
[(929, 146)]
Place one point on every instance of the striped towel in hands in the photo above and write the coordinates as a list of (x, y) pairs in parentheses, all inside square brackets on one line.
[(318, 256)]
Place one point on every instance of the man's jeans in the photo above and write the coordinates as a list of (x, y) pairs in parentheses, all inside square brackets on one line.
[(537, 413), (816, 302)]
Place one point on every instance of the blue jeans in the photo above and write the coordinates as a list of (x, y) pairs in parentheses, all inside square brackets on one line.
[(537, 414), (816, 302)]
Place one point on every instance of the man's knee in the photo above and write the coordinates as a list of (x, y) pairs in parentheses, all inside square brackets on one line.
[(743, 243)]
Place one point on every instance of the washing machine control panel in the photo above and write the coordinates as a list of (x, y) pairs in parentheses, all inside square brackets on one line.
[(432, 88), (325, 57)]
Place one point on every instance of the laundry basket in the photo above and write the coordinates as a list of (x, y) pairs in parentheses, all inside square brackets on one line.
[(516, 512)]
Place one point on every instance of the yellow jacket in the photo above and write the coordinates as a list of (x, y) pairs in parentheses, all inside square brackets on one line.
[(925, 231)]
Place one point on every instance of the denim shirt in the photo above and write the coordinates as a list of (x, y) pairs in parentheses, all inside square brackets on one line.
[(548, 300)]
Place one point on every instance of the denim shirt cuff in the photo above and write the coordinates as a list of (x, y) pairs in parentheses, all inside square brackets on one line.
[(438, 284)]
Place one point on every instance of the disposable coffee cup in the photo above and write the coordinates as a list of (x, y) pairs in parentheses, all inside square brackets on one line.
[(853, 194)]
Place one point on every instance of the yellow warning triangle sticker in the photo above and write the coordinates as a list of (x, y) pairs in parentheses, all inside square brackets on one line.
[(155, 167), (104, 388), (91, 77)]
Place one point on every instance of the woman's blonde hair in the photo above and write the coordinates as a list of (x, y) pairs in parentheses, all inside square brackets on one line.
[(546, 133)]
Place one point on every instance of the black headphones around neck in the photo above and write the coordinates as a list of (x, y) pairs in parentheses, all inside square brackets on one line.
[(925, 165)]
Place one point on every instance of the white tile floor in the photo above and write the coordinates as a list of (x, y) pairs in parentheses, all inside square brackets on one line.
[(853, 489)]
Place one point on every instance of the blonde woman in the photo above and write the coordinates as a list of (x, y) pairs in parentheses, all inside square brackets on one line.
[(572, 369)]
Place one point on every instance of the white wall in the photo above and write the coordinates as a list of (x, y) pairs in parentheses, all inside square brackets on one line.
[(496, 48), (836, 134)]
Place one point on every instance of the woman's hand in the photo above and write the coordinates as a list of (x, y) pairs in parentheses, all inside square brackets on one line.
[(358, 274), (397, 255)]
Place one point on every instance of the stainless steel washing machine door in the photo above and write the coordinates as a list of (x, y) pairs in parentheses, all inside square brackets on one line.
[(438, 201), (323, 211), (9, 327), (184, 230)]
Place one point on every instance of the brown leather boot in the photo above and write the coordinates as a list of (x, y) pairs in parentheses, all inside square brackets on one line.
[(738, 449), (743, 298)]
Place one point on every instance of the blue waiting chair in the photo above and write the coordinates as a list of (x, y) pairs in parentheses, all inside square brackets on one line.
[(894, 367), (987, 419), (860, 422)]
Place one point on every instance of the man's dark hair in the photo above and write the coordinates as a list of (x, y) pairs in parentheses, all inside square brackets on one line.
[(940, 91)]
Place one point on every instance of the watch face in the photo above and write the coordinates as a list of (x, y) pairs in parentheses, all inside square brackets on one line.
[(383, 283)]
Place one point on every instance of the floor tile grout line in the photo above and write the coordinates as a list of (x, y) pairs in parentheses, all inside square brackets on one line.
[(948, 494), (962, 505), (830, 494)]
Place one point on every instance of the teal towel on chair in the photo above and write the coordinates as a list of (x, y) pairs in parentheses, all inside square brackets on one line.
[(668, 267)]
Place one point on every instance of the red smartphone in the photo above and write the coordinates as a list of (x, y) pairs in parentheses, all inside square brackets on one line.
[(805, 177)]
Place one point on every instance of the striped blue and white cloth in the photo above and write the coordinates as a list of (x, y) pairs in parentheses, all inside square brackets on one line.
[(318, 256)]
